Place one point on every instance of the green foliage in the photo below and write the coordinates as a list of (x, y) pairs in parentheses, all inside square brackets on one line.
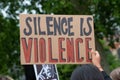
[(106, 18), (57, 7), (112, 61), (9, 47), (65, 71)]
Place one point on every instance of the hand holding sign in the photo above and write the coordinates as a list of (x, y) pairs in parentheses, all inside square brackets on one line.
[(96, 59)]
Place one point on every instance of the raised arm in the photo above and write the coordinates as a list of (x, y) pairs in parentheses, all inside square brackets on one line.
[(96, 60)]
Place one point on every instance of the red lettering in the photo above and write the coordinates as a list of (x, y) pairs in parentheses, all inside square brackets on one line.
[(36, 49), (42, 48), (27, 49), (88, 59), (52, 60), (70, 50), (61, 50), (77, 42)]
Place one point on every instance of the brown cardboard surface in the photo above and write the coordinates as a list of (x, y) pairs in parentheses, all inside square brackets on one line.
[(56, 39)]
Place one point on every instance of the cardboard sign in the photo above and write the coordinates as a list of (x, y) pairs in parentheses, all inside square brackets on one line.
[(46, 72), (56, 39)]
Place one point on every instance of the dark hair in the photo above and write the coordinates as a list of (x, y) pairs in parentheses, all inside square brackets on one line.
[(87, 72), (115, 74)]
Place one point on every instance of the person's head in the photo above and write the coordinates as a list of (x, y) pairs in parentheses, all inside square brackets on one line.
[(86, 72), (48, 70), (115, 74)]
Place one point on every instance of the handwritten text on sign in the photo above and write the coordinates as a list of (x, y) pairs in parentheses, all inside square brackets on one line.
[(56, 39)]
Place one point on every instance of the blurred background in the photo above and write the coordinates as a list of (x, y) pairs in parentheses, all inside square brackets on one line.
[(106, 15)]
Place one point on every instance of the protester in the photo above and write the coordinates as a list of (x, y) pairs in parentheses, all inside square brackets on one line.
[(90, 71), (115, 74)]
